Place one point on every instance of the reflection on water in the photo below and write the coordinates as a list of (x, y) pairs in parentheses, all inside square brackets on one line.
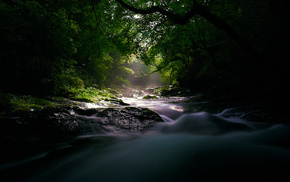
[(177, 108), (188, 147)]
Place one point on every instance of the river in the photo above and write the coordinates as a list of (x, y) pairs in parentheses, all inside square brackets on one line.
[(191, 145)]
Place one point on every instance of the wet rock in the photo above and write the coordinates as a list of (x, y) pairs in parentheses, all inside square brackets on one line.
[(150, 97), (172, 90), (60, 123), (131, 118), (85, 111), (118, 102), (55, 123), (44, 124)]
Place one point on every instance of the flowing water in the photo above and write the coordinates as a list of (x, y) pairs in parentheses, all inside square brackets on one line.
[(191, 145)]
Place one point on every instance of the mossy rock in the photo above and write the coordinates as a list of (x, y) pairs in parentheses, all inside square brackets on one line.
[(150, 97)]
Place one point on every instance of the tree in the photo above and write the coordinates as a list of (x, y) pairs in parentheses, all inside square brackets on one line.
[(221, 59), (48, 46), (35, 46), (197, 9)]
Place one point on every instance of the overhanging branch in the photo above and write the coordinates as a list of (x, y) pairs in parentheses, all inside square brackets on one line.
[(215, 20), (161, 67), (176, 18)]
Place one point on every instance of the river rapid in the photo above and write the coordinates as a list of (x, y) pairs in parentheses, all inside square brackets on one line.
[(191, 145)]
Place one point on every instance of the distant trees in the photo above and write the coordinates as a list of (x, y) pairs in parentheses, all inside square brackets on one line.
[(51, 46), (219, 47), (214, 46)]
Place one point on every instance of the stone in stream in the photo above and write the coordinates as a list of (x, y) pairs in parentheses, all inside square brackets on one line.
[(131, 118), (59, 123)]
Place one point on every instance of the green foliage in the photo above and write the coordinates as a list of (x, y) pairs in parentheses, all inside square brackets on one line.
[(199, 53), (49, 47), (119, 70), (54, 47), (35, 46)]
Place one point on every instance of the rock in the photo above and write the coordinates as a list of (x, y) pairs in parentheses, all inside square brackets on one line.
[(172, 90), (60, 123), (85, 111), (118, 102), (131, 118), (52, 123), (150, 97), (56, 122)]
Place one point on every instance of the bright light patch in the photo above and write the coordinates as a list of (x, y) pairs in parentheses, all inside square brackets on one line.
[(137, 16)]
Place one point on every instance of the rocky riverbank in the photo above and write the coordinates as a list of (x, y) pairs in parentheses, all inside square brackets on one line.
[(28, 118), (61, 123)]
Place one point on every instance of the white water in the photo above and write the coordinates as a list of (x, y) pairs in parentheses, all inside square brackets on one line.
[(187, 147)]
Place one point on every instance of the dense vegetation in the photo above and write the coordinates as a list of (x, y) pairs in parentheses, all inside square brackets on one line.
[(223, 48), (51, 46), (227, 49)]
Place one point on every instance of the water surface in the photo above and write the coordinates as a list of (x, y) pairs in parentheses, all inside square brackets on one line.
[(189, 146)]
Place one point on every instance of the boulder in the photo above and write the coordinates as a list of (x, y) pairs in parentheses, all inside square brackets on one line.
[(131, 118), (149, 97), (49, 123), (60, 123)]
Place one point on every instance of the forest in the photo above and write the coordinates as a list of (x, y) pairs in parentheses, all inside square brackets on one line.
[(227, 50), (144, 90)]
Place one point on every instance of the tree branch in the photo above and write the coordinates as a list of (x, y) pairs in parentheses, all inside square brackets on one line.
[(176, 18), (161, 67), (216, 21)]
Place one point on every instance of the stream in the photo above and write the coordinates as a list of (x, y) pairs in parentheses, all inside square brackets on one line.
[(190, 145)]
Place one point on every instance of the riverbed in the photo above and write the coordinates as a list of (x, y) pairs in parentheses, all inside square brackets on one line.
[(192, 144)]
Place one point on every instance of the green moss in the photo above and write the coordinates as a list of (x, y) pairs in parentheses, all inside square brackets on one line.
[(150, 97), (29, 102), (14, 103), (91, 94)]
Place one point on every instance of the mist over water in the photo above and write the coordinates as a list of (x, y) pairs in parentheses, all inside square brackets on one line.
[(181, 155), (187, 147)]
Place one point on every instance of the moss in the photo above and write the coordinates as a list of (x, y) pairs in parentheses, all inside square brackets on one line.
[(150, 97), (13, 103), (91, 94), (27, 102), (10, 103)]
